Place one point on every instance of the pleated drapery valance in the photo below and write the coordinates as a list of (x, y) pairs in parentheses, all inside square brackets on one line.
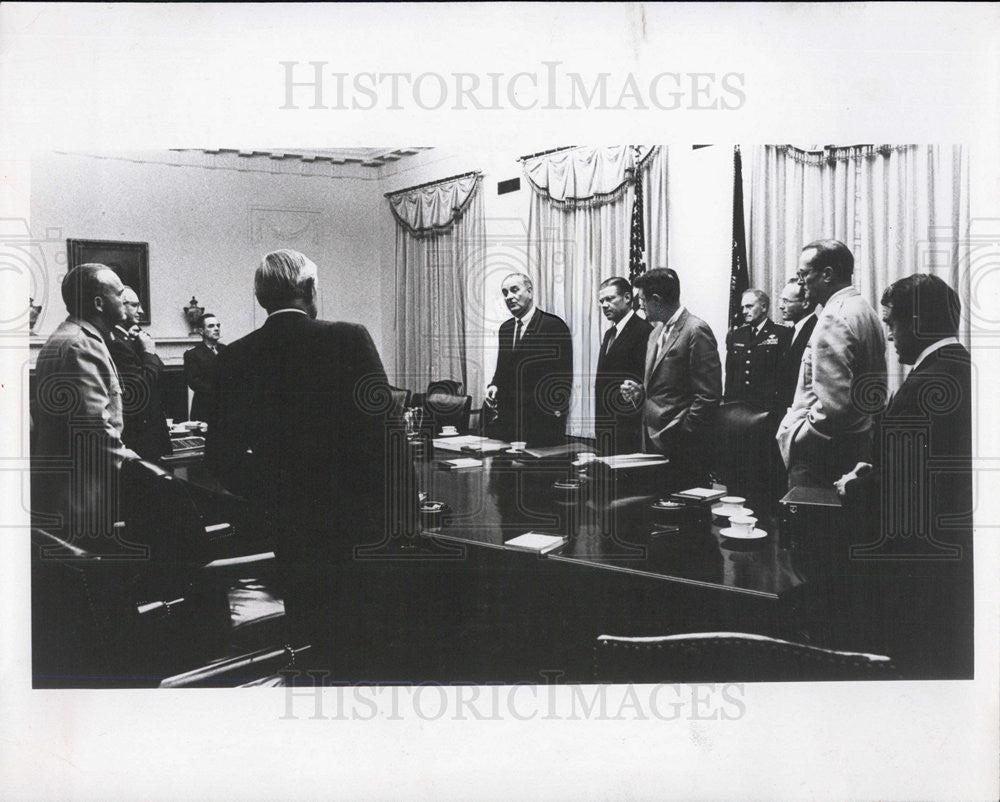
[(585, 177), (830, 154), (429, 210)]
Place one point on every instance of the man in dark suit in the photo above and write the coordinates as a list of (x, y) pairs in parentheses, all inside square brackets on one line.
[(199, 367), (294, 431), (754, 352), (617, 422), (910, 576), (531, 386), (800, 314), (300, 431), (134, 354), (682, 380)]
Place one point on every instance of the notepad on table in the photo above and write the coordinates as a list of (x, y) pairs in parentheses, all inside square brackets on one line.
[(699, 495), (458, 443), (638, 460), (461, 462), (486, 448), (536, 541)]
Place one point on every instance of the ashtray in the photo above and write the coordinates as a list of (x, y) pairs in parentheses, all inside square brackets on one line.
[(431, 512), (674, 512)]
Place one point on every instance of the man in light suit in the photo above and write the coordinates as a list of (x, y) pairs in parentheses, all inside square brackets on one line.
[(530, 390), (77, 435), (800, 314), (842, 382), (682, 380), (199, 367), (622, 356)]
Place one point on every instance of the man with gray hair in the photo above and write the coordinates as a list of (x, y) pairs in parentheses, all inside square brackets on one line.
[(77, 435), (295, 430), (799, 314), (753, 353), (531, 386)]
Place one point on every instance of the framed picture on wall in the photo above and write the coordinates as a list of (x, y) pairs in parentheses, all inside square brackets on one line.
[(130, 260)]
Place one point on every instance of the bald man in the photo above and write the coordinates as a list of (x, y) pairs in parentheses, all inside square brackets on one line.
[(530, 390), (77, 444)]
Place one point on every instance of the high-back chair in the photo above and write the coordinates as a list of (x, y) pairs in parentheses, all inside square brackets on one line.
[(448, 409), (729, 657), (400, 401)]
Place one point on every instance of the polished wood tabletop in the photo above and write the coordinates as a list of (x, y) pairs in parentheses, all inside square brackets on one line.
[(608, 525)]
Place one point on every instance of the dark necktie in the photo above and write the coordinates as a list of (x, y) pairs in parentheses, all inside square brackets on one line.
[(612, 333), (517, 333)]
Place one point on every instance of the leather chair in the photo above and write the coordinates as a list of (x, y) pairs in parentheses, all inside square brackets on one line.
[(744, 448), (449, 386), (400, 401), (160, 514), (101, 620), (448, 409), (272, 667), (729, 657)]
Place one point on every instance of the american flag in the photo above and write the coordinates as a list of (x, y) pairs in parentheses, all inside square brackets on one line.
[(739, 276), (637, 245)]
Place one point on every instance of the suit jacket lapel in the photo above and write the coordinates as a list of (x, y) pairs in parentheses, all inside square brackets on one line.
[(670, 339), (654, 337), (804, 333), (534, 325)]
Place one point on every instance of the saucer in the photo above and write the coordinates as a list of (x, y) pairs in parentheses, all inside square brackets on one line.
[(730, 532), (721, 513)]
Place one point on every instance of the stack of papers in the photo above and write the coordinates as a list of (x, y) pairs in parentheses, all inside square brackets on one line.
[(619, 461), (700, 495), (536, 541), (462, 462), (550, 452), (461, 442)]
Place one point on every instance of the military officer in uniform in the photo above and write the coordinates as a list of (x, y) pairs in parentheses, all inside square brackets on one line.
[(754, 352), (749, 416)]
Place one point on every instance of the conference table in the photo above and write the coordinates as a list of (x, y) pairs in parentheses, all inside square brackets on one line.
[(495, 613), (454, 603)]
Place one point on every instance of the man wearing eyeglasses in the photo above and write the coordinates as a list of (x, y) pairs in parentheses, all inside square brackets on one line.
[(134, 354), (842, 384)]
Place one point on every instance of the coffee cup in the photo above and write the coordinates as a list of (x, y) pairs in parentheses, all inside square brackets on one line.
[(732, 504), (449, 430), (519, 445), (743, 524), (586, 456)]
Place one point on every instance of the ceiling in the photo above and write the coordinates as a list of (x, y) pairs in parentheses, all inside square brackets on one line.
[(366, 157)]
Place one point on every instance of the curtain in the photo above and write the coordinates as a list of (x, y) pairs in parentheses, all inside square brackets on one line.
[(439, 234), (579, 235), (901, 209)]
